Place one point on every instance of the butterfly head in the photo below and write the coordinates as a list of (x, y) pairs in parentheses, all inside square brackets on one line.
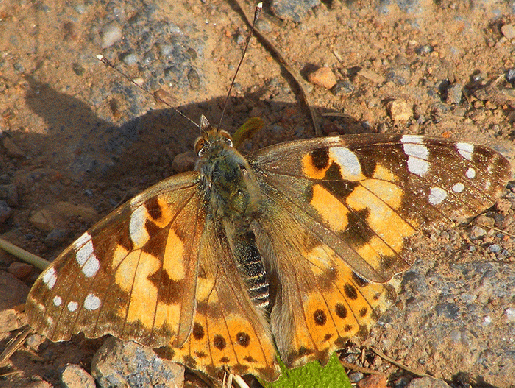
[(225, 174)]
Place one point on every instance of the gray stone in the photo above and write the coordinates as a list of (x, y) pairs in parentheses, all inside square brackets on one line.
[(292, 10), (427, 382), (455, 94), (127, 364)]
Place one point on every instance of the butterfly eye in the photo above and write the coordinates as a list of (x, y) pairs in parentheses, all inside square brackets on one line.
[(200, 146), (227, 138)]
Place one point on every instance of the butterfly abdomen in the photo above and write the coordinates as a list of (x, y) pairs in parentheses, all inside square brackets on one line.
[(250, 265)]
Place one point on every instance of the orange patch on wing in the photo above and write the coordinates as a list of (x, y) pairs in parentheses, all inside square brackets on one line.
[(332, 211), (139, 266), (360, 300), (382, 173), (168, 314), (320, 259), (388, 192), (310, 170), (319, 320), (174, 256), (250, 350), (205, 290), (373, 250), (387, 224), (120, 253)]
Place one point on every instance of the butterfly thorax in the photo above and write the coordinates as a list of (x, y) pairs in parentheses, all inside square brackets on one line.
[(227, 181)]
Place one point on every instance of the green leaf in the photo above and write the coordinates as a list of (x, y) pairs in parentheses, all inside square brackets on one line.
[(312, 375)]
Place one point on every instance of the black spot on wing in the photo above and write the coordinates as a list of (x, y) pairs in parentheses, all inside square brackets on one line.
[(153, 208), (320, 158)]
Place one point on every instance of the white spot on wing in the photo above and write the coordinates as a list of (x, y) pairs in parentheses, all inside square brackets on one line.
[(458, 187), (57, 300), (417, 150), (84, 248), (471, 173), (92, 302), (417, 154), (82, 240), (91, 267), (437, 195), (465, 150), (418, 166), (347, 160), (50, 277), (137, 230), (72, 306), (85, 255), (412, 139)]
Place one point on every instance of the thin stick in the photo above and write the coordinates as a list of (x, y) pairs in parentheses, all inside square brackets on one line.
[(293, 76), (398, 364), (358, 368), (259, 7), (22, 254), (13, 345)]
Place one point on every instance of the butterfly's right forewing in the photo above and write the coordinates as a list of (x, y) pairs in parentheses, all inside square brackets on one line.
[(131, 275)]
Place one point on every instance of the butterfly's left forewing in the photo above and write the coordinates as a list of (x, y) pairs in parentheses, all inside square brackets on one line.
[(132, 275), (336, 220)]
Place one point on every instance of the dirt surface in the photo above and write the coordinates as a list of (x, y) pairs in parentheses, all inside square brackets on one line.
[(77, 139)]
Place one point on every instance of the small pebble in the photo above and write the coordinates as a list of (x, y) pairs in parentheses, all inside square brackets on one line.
[(510, 314), (508, 30), (477, 232), (34, 340), (20, 270), (130, 59), (323, 77), (42, 220), (111, 34), (373, 381), (427, 382), (455, 94), (371, 76), (56, 237), (343, 87), (494, 248), (424, 49), (485, 221), (73, 376), (399, 110), (354, 377), (292, 10), (510, 76)]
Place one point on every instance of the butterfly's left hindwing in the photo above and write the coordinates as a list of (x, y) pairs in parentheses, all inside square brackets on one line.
[(131, 275)]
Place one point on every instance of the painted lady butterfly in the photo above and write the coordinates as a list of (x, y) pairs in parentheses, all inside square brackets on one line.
[(287, 251)]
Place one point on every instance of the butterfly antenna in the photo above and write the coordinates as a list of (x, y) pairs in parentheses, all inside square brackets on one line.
[(259, 8), (108, 63)]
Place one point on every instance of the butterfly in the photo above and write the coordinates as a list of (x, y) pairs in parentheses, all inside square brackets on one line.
[(287, 251)]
